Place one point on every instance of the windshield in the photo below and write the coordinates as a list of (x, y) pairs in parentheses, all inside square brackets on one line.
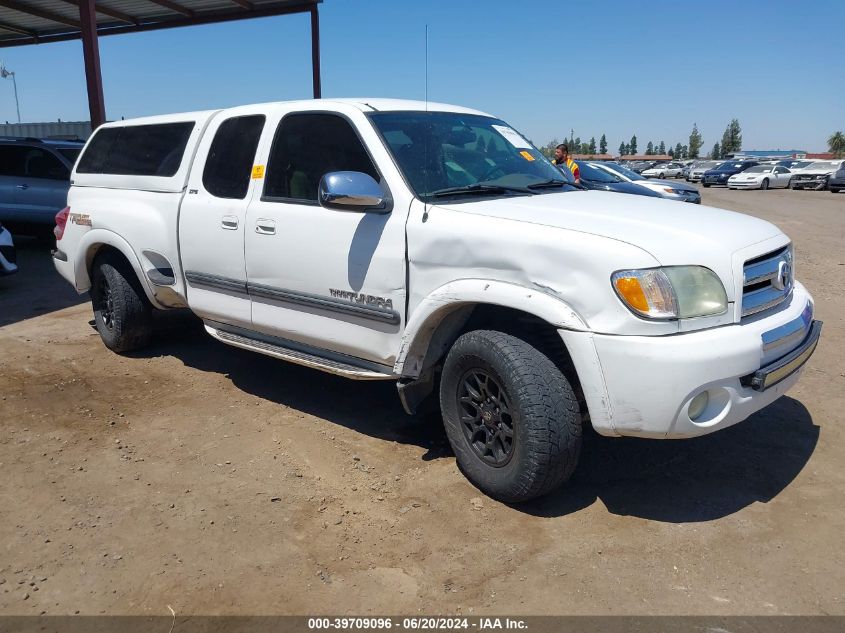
[(824, 166), (594, 174), (729, 166), (629, 174), (441, 151), (707, 164), (759, 169)]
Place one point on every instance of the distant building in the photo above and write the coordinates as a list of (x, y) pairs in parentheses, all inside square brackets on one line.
[(593, 157), (775, 154), (651, 157), (69, 130)]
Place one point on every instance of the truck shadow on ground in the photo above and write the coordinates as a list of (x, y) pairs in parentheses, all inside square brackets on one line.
[(36, 288), (675, 481), (685, 481)]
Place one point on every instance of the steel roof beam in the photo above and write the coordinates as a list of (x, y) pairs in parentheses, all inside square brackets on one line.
[(244, 3), (39, 13), (112, 13), (174, 6), (19, 30)]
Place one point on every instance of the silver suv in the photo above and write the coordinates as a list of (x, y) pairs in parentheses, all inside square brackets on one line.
[(34, 180)]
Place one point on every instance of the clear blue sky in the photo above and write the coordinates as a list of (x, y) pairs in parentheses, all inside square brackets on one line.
[(619, 68)]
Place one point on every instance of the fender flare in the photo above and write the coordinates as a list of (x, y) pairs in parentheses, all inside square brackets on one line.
[(100, 237), (450, 297)]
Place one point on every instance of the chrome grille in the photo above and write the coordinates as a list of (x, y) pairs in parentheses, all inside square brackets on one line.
[(767, 281)]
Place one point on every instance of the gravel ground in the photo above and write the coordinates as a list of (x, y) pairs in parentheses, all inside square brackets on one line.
[(218, 481)]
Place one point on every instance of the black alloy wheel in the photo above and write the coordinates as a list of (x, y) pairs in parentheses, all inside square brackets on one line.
[(485, 415)]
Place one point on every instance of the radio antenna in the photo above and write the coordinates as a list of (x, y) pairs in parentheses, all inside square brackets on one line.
[(427, 136)]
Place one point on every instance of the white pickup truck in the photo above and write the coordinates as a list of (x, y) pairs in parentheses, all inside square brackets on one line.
[(434, 246)]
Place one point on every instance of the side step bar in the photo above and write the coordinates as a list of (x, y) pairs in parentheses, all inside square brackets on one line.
[(302, 355)]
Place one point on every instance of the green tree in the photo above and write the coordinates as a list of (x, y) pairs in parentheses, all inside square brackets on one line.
[(621, 149), (649, 149), (634, 144), (592, 146), (548, 150), (662, 149), (836, 144), (603, 144), (575, 146), (716, 154), (678, 149), (628, 151), (671, 153), (694, 141), (685, 152), (732, 138)]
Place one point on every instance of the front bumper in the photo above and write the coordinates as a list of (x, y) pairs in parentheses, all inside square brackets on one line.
[(816, 184), (743, 184), (643, 386)]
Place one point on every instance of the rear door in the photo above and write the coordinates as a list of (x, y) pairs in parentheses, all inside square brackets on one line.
[(212, 218), (42, 188)]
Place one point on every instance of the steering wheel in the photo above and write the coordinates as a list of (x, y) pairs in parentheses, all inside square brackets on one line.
[(487, 174)]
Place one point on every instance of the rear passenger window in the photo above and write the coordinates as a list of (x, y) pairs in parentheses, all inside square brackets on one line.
[(12, 160), (308, 146), (229, 164), (42, 164), (137, 150)]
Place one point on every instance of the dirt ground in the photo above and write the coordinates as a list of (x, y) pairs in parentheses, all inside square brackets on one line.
[(219, 481)]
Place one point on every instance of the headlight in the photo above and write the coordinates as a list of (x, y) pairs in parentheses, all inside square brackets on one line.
[(672, 292), (670, 190)]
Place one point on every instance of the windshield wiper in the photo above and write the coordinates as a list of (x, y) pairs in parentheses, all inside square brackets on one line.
[(479, 188), (546, 184)]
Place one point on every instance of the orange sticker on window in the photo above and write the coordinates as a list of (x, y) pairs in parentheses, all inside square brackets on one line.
[(526, 155), (258, 171)]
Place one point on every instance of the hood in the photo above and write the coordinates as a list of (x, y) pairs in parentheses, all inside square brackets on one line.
[(619, 187), (815, 172), (674, 234), (680, 185)]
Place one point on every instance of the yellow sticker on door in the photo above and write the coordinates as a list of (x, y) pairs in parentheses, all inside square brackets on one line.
[(523, 153), (258, 171)]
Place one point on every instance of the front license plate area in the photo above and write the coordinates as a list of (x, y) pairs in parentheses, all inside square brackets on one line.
[(783, 368)]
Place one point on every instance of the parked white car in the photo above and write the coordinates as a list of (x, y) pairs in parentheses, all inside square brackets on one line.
[(667, 170), (682, 192), (696, 172), (8, 255), (761, 177), (434, 246)]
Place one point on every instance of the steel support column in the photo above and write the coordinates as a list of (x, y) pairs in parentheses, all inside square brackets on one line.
[(315, 51), (91, 52)]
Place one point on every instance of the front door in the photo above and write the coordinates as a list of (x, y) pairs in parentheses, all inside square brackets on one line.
[(212, 219), (331, 279)]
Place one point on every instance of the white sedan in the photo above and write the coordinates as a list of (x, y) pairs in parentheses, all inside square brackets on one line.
[(761, 177), (667, 170)]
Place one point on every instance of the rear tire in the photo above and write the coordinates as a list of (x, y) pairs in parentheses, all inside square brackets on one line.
[(705, 185), (837, 190), (122, 313), (511, 416)]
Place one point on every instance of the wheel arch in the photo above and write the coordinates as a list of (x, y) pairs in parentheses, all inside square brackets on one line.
[(100, 241), (468, 304)]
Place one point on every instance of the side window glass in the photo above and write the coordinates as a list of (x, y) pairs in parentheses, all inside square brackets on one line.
[(228, 167), (137, 150), (42, 164), (13, 160), (308, 146)]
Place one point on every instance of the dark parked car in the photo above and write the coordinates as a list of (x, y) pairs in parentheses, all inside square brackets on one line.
[(837, 180), (720, 175), (34, 180), (593, 178)]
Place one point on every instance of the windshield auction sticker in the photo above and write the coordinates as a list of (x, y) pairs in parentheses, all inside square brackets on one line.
[(512, 137)]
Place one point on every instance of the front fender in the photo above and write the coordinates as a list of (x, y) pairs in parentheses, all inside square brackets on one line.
[(453, 296), (87, 249)]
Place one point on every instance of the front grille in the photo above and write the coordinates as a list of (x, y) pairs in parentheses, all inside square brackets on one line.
[(767, 281), (9, 253)]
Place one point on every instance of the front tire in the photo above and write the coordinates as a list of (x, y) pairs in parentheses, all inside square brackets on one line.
[(511, 416), (765, 184), (122, 313)]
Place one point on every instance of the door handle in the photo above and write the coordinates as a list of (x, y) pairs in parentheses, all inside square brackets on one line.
[(265, 227), (23, 186), (229, 222)]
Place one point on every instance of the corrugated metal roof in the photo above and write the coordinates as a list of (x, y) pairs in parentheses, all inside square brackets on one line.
[(39, 21)]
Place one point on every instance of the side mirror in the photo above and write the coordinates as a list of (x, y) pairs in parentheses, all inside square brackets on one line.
[(352, 191)]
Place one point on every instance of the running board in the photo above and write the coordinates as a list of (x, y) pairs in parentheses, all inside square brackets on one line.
[(301, 355)]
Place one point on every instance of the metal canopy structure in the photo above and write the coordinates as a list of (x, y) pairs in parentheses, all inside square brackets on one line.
[(24, 22)]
